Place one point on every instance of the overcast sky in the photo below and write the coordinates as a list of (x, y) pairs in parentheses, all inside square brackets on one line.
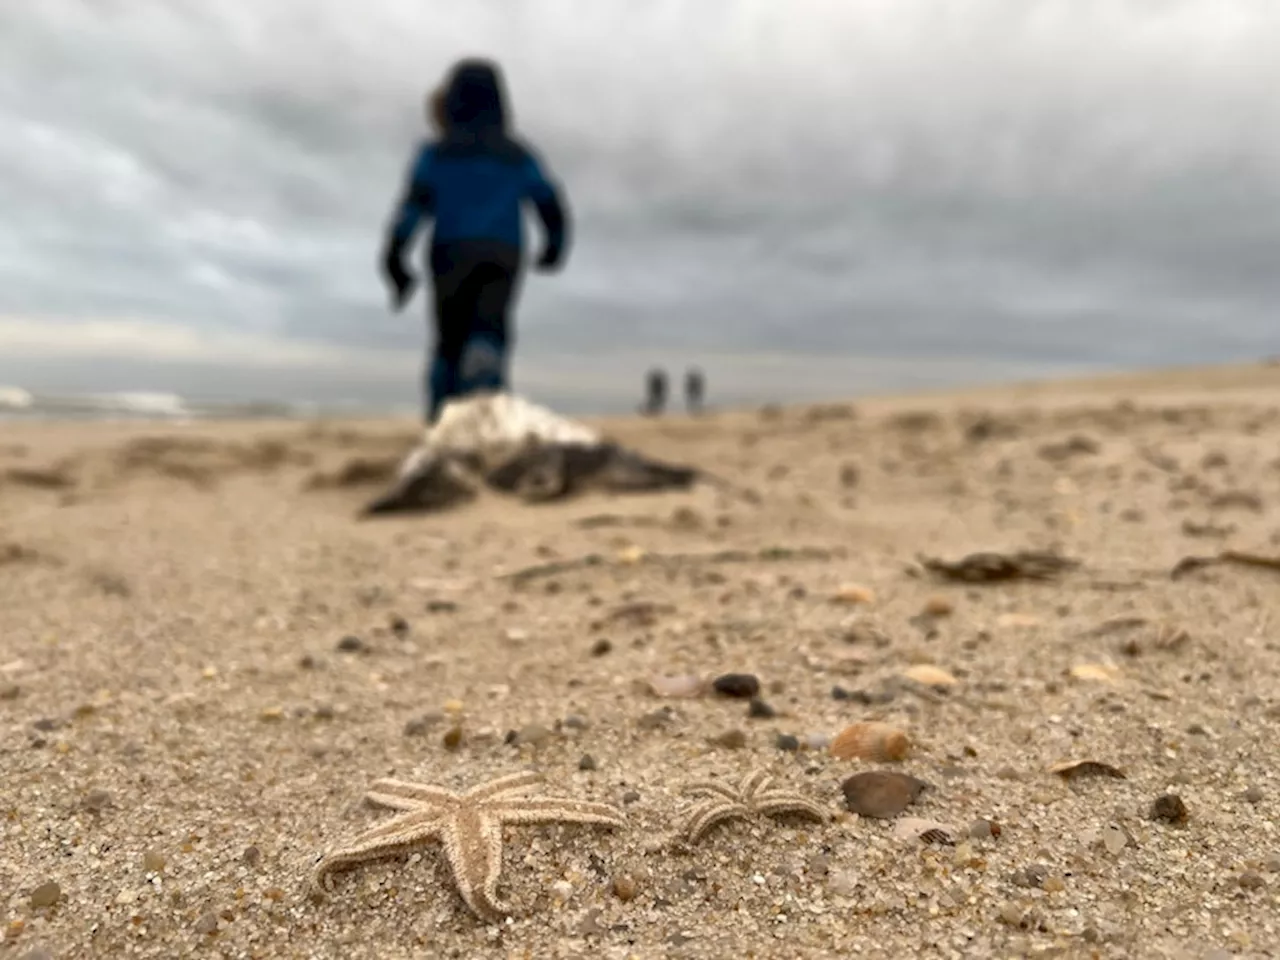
[(809, 197)]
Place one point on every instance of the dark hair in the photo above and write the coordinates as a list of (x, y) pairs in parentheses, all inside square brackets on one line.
[(474, 99)]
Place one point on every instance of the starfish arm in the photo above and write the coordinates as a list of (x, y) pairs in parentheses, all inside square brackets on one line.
[(702, 788), (388, 840), (755, 782), (778, 803), (401, 795), (511, 785), (473, 848), (553, 809), (707, 814)]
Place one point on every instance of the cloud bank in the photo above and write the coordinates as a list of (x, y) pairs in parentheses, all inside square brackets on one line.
[(911, 185)]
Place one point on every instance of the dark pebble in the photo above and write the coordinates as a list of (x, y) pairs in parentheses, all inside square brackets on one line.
[(760, 710), (350, 644), (1251, 881), (630, 797), (787, 742), (1252, 795), (601, 647), (1168, 808), (881, 793), (731, 739), (441, 606), (740, 685), (587, 762), (399, 626), (325, 711), (308, 662), (47, 724), (251, 857), (10, 691)]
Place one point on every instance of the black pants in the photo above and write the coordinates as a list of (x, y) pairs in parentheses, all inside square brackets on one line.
[(475, 286)]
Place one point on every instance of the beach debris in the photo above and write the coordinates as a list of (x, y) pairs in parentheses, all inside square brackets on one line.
[(925, 831), (468, 827), (502, 442), (1240, 558), (739, 685), (926, 674), (682, 686), (755, 795), (854, 594), (992, 567), (1083, 769), (871, 740), (1169, 808), (881, 794), (1094, 673)]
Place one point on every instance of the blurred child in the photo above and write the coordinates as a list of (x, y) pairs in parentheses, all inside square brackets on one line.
[(472, 181)]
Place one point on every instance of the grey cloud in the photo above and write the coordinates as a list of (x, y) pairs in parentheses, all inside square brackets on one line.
[(1028, 181)]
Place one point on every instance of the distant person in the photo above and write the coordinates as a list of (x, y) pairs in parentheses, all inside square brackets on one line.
[(471, 179), (655, 393), (694, 390)]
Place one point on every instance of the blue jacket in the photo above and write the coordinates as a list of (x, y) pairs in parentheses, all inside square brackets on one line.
[(474, 181)]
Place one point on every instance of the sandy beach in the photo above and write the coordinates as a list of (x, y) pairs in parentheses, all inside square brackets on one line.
[(206, 660)]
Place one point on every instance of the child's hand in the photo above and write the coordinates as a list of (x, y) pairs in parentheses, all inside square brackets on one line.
[(401, 280), (549, 261)]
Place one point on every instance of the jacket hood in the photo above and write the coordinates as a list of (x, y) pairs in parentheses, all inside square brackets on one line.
[(474, 101)]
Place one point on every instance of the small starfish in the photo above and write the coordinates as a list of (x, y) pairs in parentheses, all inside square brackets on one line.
[(756, 794), (468, 826)]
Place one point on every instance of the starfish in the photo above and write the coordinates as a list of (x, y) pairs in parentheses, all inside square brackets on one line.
[(756, 794), (468, 826)]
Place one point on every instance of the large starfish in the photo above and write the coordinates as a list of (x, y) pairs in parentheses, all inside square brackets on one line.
[(755, 794), (468, 826)]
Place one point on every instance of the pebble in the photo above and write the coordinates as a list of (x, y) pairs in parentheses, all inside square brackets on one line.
[(1252, 795), (630, 797), (452, 738), (881, 793), (817, 741), (683, 686), (251, 856), (97, 800), (153, 862), (325, 711), (10, 691), (740, 685), (625, 887), (308, 662), (731, 739), (207, 924), (399, 626), (843, 884), (1114, 839), (983, 830), (576, 722), (587, 762), (1272, 864), (563, 890), (441, 606), (1251, 881), (47, 724), (938, 607), (787, 742), (348, 644), (601, 647), (1168, 808), (45, 895), (761, 710)]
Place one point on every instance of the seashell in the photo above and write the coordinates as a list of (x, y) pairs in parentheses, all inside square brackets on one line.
[(852, 594), (1095, 672), (881, 793), (681, 686), (1074, 769), (929, 675), (870, 740), (926, 831)]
